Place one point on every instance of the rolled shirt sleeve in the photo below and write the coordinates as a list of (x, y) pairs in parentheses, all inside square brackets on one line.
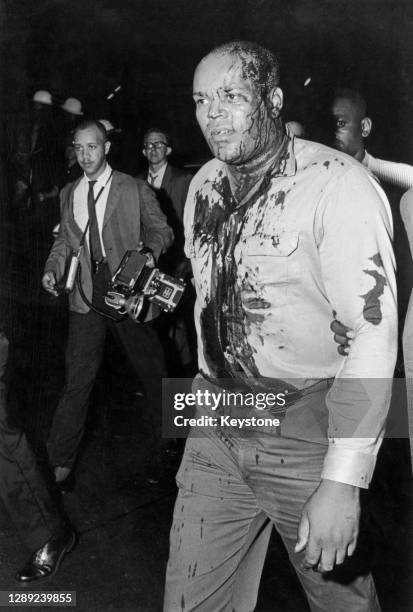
[(357, 260), (394, 173)]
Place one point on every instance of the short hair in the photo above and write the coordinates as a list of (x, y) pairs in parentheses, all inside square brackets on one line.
[(259, 65), (160, 131), (89, 123), (353, 96)]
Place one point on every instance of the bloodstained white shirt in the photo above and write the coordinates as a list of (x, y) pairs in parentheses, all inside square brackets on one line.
[(312, 244)]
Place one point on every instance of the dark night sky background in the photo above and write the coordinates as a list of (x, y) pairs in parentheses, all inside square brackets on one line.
[(85, 48)]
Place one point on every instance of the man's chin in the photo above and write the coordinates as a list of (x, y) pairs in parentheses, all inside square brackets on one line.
[(89, 171), (225, 153)]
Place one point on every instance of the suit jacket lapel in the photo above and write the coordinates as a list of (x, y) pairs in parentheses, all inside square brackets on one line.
[(70, 196), (167, 178), (113, 196)]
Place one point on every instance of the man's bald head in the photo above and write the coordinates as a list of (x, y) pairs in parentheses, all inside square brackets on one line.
[(259, 65), (238, 102)]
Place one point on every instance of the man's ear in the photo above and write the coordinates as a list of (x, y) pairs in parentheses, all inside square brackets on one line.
[(168, 151), (144, 153), (275, 101), (107, 147), (366, 125)]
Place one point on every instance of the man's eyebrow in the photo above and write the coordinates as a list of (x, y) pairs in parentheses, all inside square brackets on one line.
[(225, 88), (233, 86)]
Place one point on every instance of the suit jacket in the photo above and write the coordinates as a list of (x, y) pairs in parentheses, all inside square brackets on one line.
[(176, 183), (132, 215), (172, 196)]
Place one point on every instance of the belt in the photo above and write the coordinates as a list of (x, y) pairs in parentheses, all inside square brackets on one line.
[(270, 385)]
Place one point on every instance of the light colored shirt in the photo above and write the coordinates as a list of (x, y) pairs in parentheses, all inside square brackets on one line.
[(155, 178), (406, 210), (399, 175), (313, 243), (80, 210)]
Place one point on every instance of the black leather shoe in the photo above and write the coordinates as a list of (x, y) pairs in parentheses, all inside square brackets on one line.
[(46, 561)]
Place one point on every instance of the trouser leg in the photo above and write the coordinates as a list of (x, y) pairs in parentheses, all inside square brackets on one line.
[(22, 488), (142, 346), (226, 483), (24, 492), (83, 356), (219, 537), (284, 473)]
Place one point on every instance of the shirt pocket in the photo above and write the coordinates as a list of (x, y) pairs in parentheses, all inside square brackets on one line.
[(270, 267), (280, 245)]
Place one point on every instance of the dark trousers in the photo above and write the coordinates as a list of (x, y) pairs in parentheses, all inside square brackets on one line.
[(84, 354), (23, 490)]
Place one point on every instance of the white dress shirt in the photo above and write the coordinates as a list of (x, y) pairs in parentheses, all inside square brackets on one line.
[(313, 245), (157, 177), (80, 210), (394, 173)]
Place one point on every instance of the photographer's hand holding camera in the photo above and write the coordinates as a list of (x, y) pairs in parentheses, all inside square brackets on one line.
[(134, 303)]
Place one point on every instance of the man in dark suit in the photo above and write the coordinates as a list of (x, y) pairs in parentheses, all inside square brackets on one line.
[(171, 187), (122, 213)]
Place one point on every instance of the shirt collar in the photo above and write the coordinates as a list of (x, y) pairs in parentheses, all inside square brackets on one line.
[(285, 164), (158, 173), (102, 178)]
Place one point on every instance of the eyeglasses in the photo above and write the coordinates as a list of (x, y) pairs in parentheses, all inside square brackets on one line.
[(148, 146)]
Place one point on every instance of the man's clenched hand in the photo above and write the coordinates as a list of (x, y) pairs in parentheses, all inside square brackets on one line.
[(329, 525), (49, 283)]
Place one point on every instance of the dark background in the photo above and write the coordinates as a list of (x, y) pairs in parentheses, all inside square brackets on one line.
[(150, 47), (86, 48)]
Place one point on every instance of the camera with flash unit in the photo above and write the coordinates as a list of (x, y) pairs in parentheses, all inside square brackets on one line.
[(135, 279)]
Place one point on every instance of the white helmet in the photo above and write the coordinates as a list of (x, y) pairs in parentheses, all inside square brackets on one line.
[(110, 129), (72, 106), (43, 97)]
